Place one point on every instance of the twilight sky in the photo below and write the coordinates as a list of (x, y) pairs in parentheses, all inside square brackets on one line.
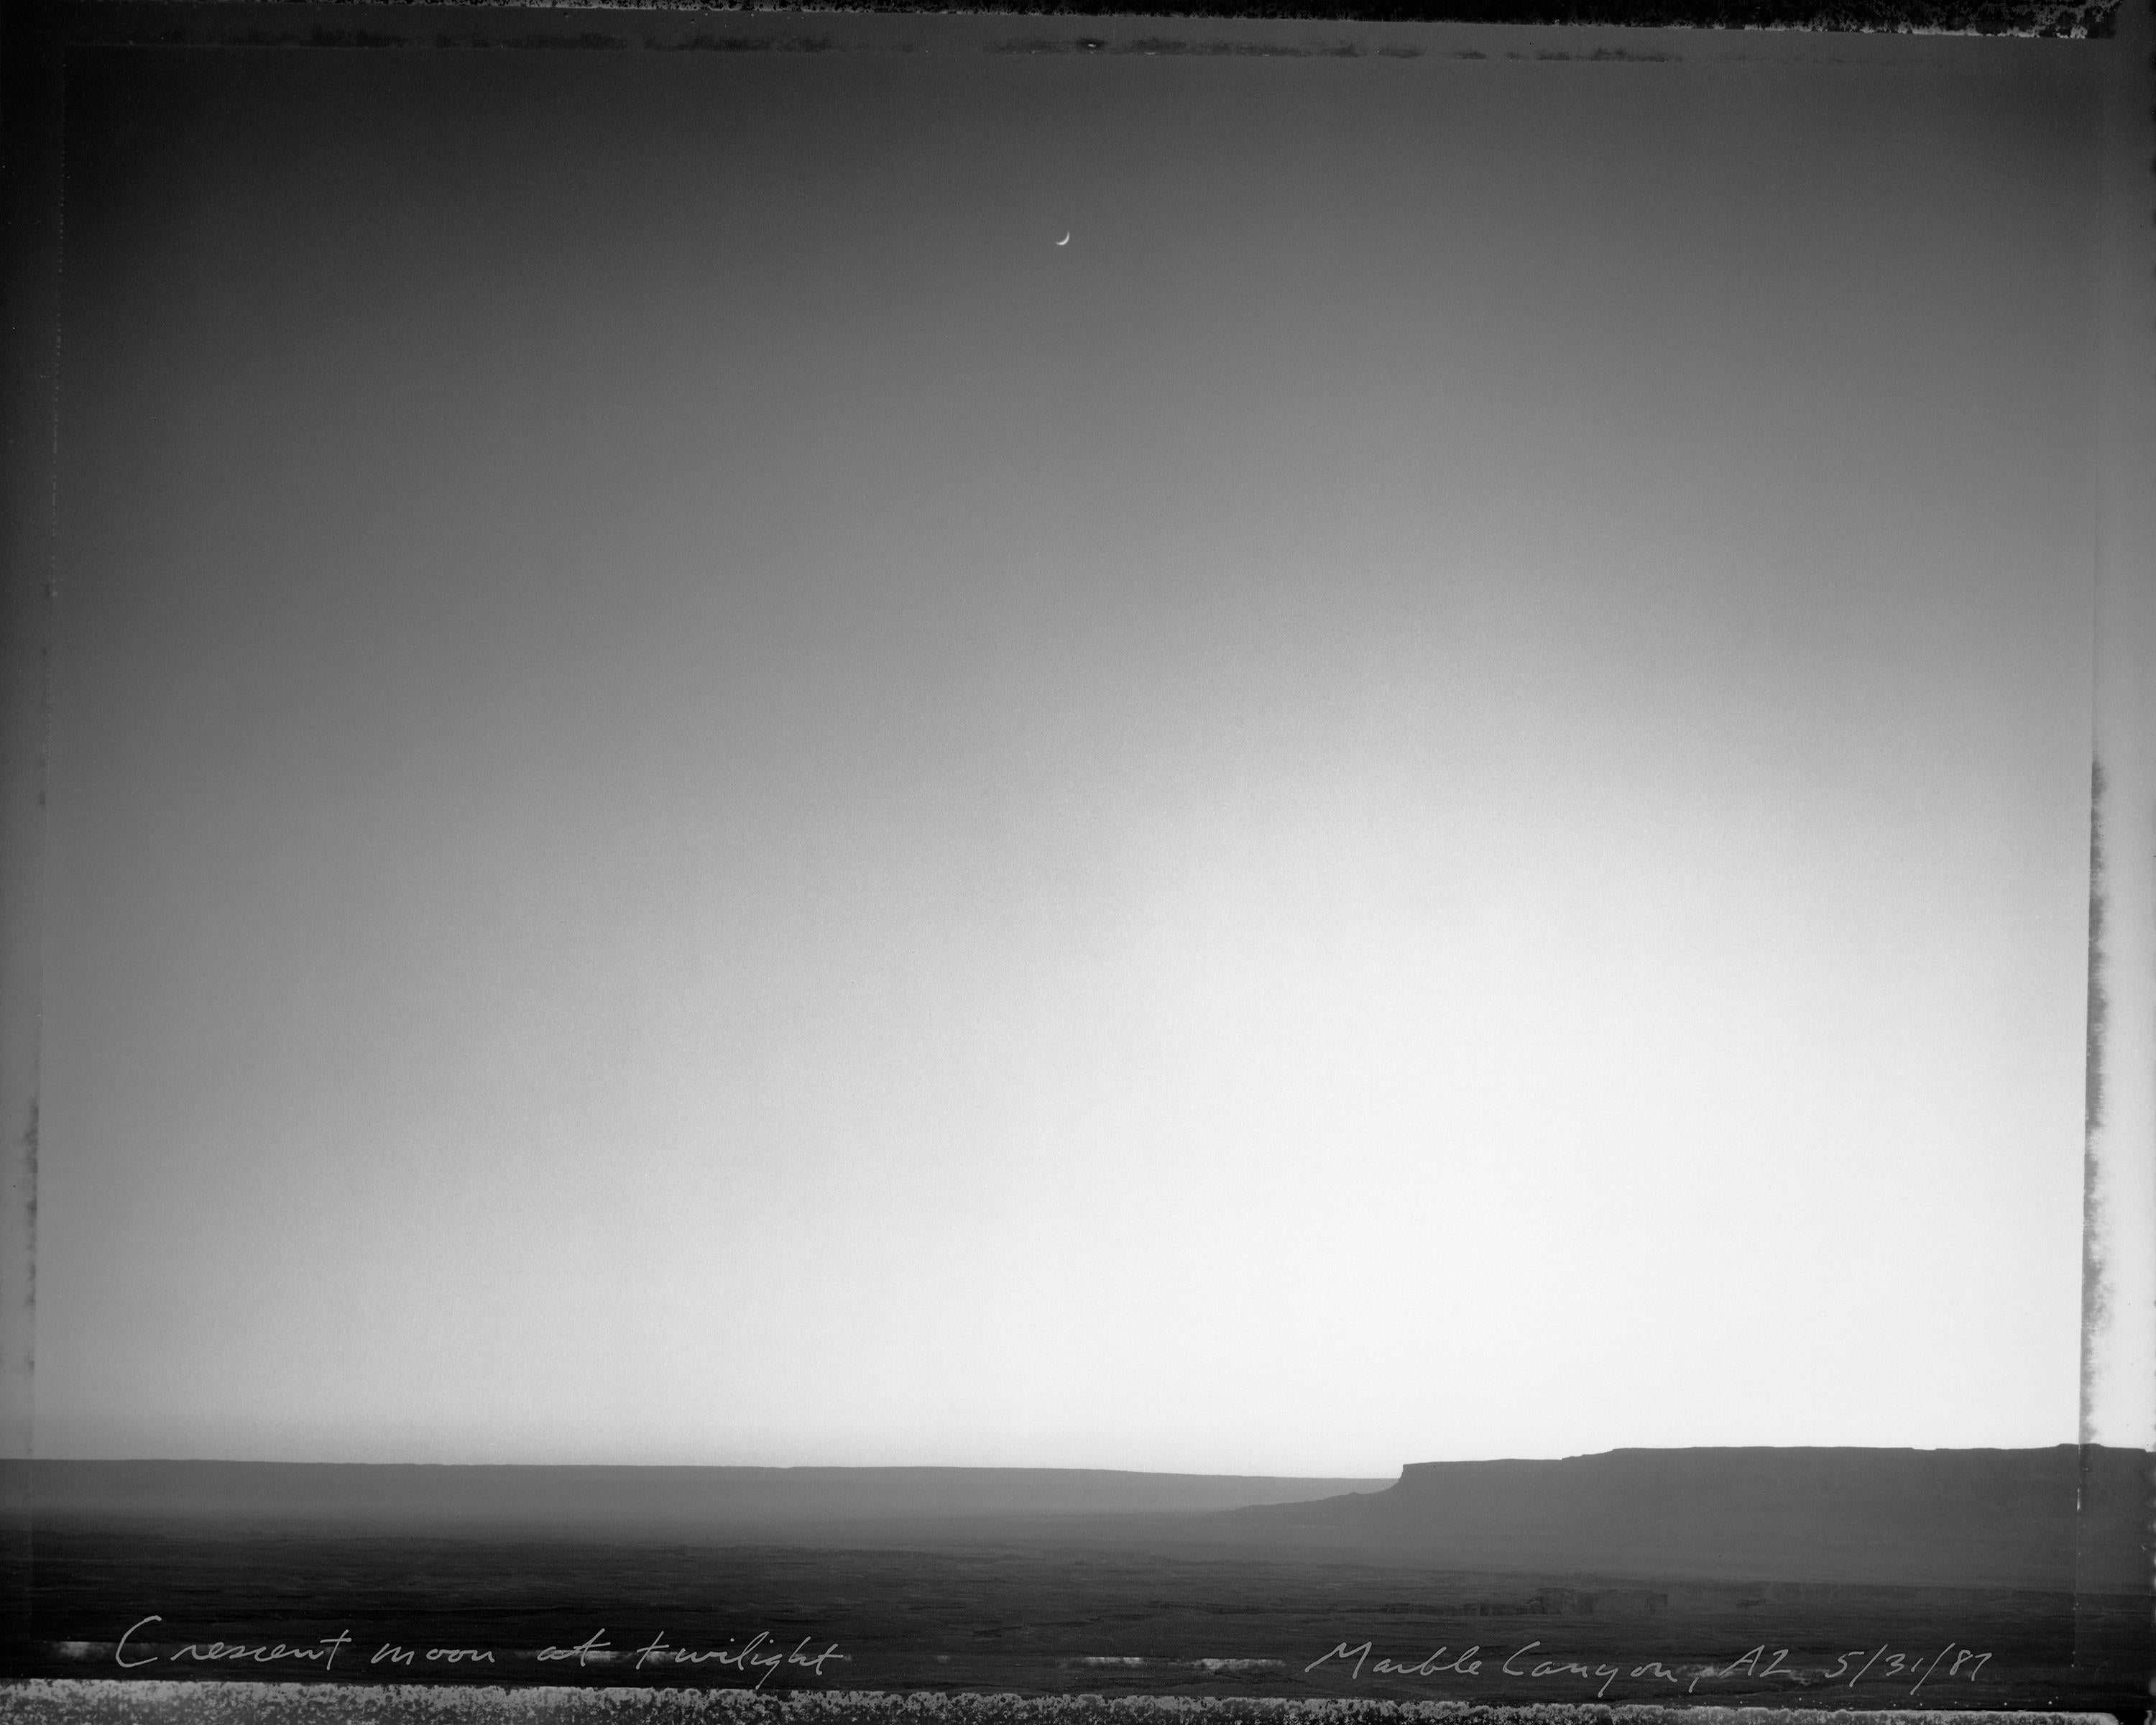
[(1427, 797)]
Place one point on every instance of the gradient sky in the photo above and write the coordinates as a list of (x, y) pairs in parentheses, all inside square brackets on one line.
[(1427, 797)]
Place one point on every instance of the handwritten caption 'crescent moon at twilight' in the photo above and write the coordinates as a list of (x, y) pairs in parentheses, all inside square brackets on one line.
[(758, 1654)]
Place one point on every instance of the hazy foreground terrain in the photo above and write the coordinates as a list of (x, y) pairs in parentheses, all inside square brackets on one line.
[(1865, 1579)]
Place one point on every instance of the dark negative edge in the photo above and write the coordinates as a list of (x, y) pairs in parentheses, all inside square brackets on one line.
[(604, 24), (66, 1701)]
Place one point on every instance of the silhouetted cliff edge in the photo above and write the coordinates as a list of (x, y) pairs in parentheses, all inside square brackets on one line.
[(1919, 1517)]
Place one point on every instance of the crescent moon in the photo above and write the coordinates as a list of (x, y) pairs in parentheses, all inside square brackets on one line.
[(1065, 241)]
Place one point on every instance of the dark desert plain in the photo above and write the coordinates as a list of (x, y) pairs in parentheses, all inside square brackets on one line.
[(1838, 1578)]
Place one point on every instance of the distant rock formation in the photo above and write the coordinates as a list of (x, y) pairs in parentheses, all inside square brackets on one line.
[(685, 1501), (2049, 1520), (1921, 1518)]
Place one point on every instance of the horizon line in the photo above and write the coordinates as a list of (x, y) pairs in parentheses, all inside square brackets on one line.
[(1027, 1467)]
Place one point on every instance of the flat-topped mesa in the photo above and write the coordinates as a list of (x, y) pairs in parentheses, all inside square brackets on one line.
[(1766, 1477), (1929, 1517)]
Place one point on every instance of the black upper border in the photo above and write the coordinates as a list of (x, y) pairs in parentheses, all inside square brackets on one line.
[(602, 24)]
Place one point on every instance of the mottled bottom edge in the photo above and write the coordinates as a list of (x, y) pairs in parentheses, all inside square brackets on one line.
[(36, 1700)]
